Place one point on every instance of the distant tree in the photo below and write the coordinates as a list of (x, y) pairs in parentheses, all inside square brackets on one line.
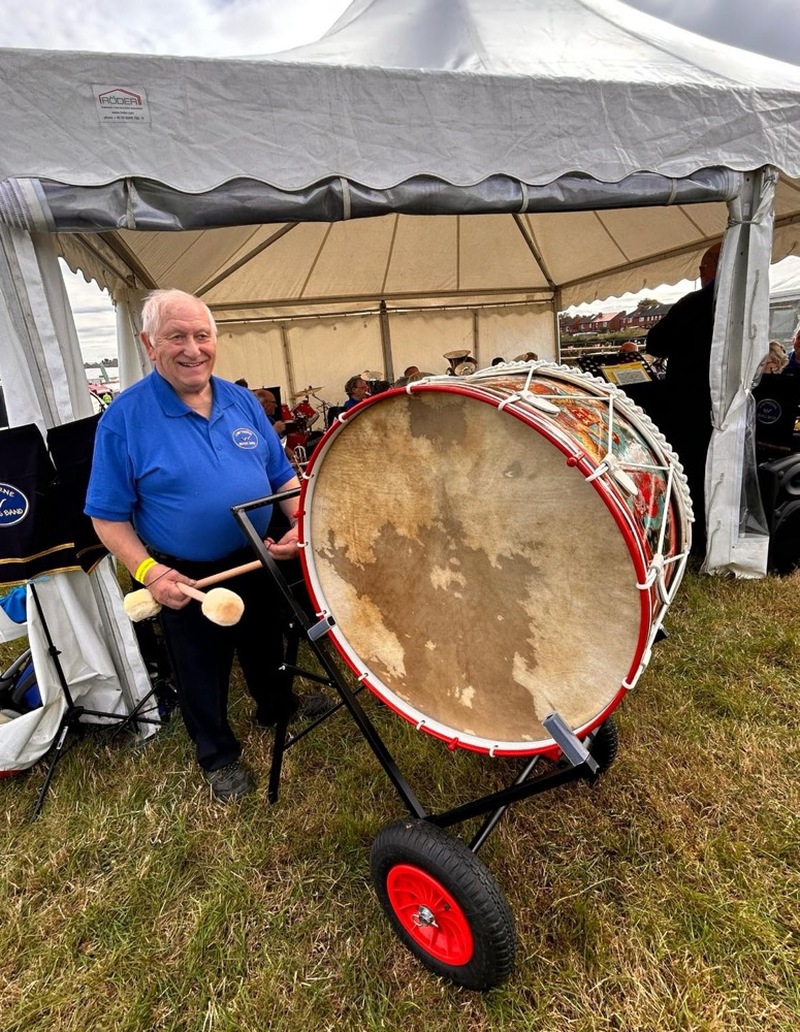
[(649, 302)]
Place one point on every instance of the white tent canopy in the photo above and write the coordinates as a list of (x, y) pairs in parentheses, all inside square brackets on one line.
[(429, 175)]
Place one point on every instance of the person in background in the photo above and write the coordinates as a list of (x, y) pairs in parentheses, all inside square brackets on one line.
[(269, 403), (172, 455), (629, 347), (498, 361), (793, 365), (776, 360), (683, 338), (356, 390)]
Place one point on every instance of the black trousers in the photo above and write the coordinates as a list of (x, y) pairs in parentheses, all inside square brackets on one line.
[(201, 654)]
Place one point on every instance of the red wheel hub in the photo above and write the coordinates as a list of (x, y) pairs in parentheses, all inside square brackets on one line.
[(429, 914)]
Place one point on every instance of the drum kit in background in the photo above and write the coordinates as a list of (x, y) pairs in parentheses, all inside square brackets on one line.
[(302, 420), (501, 592)]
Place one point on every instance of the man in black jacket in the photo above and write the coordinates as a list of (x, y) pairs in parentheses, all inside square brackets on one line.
[(683, 337)]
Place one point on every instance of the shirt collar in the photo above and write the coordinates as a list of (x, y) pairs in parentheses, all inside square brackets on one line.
[(172, 404)]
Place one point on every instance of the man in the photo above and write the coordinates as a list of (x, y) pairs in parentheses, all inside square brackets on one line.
[(172, 455), (269, 404), (356, 390), (683, 337)]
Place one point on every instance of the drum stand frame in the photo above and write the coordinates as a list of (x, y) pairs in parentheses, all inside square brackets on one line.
[(577, 761)]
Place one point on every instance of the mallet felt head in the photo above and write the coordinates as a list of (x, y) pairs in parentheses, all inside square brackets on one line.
[(222, 607), (140, 605)]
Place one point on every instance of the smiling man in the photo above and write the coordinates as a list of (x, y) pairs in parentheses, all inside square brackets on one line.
[(172, 455)]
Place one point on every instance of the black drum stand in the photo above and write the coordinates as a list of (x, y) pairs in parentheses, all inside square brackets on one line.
[(440, 898)]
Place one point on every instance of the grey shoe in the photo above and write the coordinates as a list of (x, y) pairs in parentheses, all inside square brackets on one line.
[(231, 782)]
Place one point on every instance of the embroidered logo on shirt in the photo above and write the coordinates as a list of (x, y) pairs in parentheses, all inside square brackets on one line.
[(244, 437), (14, 505)]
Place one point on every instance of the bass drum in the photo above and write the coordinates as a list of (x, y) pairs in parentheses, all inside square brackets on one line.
[(495, 548)]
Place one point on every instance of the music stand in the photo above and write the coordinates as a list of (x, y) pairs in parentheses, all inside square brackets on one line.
[(73, 714)]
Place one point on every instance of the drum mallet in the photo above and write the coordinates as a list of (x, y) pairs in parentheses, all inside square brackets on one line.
[(140, 605)]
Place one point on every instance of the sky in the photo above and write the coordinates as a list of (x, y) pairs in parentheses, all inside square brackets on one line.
[(212, 28)]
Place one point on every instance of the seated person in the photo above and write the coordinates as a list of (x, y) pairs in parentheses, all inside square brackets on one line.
[(356, 390), (269, 404)]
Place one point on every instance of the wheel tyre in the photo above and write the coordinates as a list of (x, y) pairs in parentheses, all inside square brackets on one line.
[(604, 746), (443, 904)]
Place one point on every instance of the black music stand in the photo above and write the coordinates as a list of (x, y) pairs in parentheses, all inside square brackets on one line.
[(72, 718)]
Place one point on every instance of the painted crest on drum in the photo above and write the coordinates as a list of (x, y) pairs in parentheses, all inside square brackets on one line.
[(481, 581)]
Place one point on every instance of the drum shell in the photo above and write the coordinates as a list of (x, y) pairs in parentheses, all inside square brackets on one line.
[(568, 449)]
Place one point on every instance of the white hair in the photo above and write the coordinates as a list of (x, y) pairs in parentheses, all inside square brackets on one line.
[(158, 301)]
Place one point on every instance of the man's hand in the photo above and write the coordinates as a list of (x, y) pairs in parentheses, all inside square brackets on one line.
[(162, 583), (286, 548)]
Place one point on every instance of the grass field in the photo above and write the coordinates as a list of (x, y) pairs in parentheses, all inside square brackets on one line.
[(667, 896)]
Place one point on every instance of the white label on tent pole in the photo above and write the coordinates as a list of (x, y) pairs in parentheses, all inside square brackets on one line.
[(121, 104)]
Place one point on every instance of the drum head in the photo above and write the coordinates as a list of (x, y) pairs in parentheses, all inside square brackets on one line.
[(478, 581)]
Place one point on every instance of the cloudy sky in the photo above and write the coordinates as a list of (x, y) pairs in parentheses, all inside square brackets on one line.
[(247, 27)]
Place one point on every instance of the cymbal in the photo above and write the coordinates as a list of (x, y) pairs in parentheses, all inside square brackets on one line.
[(306, 390)]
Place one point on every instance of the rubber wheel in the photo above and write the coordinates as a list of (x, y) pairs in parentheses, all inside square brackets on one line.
[(443, 904), (604, 745)]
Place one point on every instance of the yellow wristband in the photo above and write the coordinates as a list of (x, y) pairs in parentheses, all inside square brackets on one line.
[(143, 567)]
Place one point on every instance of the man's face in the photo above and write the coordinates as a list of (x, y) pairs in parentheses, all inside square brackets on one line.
[(267, 400), (184, 346), (360, 390)]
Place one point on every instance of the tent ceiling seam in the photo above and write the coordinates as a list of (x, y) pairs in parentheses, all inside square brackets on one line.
[(611, 237), (245, 259), (141, 276), (675, 252), (317, 257), (390, 256), (530, 242)]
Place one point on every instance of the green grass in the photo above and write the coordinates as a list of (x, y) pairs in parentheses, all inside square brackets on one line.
[(665, 897)]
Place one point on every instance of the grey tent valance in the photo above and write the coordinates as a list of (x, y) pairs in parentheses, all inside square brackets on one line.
[(37, 205)]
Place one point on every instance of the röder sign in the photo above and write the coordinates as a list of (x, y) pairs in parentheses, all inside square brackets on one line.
[(14, 506), (121, 104)]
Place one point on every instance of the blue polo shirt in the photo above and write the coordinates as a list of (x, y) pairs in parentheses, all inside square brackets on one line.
[(174, 474)]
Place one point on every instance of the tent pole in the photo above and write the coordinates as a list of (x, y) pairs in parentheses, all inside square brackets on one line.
[(556, 308), (386, 343), (287, 358)]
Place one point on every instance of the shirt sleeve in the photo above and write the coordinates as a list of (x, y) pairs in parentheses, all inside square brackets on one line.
[(111, 494)]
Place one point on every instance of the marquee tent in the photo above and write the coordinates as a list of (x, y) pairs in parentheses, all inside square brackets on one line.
[(430, 174)]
